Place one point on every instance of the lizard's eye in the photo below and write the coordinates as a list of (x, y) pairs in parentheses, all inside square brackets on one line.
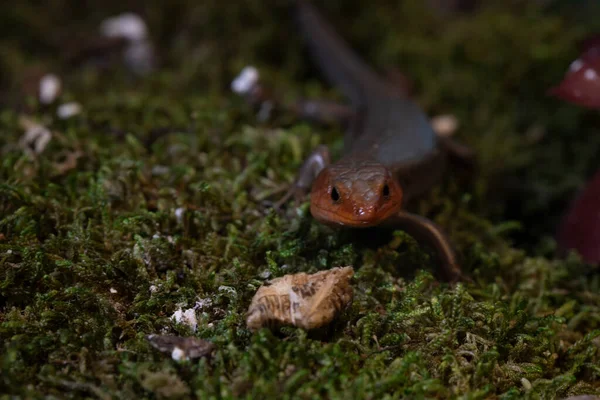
[(385, 191), (335, 195)]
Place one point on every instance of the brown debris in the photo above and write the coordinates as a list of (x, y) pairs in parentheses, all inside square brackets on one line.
[(36, 136), (302, 300), (69, 163), (181, 348)]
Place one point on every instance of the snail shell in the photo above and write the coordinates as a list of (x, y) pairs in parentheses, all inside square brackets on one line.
[(302, 300)]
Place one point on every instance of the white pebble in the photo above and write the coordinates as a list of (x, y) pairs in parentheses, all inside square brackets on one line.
[(128, 25), (187, 317), (245, 81), (36, 136), (139, 54), (266, 274), (203, 303), (444, 125), (177, 316), (113, 291), (49, 88), (179, 214), (178, 354), (153, 289), (68, 110)]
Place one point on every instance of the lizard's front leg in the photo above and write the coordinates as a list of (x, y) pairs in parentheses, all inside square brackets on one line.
[(309, 170)]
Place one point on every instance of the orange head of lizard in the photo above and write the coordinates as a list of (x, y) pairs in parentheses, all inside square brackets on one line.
[(355, 193)]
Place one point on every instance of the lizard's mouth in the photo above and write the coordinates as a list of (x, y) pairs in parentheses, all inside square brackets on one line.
[(341, 218)]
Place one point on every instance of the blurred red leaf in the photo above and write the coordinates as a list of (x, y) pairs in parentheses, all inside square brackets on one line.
[(580, 228), (581, 84)]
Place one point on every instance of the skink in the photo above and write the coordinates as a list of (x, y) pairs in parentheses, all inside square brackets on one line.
[(391, 153)]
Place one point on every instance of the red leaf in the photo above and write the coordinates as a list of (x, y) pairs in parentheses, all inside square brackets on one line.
[(581, 84), (580, 229)]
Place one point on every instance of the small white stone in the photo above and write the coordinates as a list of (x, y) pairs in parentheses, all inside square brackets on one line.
[(245, 81), (156, 236), (177, 316), (139, 54), (49, 88), (444, 125), (68, 110), (190, 317), (178, 354), (203, 303), (187, 317), (128, 25), (266, 274), (590, 74), (153, 289), (179, 214), (113, 291), (42, 141), (36, 136), (9, 251)]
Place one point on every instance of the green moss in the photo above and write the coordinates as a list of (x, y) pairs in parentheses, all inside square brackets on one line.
[(95, 257)]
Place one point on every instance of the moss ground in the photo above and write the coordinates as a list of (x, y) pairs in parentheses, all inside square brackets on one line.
[(95, 257)]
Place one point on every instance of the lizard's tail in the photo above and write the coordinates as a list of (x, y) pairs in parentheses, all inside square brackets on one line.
[(342, 66)]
